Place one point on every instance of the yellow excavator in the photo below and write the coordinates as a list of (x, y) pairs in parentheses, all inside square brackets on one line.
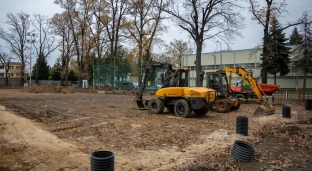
[(217, 80), (265, 108), (175, 94)]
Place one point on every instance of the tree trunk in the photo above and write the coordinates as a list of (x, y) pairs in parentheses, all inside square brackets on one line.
[(37, 71), (264, 71), (6, 78), (199, 82), (304, 84), (22, 72), (112, 69)]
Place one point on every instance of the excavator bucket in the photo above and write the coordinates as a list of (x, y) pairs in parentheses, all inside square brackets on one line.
[(139, 104), (265, 110)]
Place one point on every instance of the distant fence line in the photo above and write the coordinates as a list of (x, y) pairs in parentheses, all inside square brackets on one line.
[(292, 95), (17, 82)]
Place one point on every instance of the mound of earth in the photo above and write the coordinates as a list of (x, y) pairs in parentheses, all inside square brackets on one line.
[(35, 88)]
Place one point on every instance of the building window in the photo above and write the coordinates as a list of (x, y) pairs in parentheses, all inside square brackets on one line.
[(11, 74), (1, 67), (11, 67), (18, 67), (18, 74)]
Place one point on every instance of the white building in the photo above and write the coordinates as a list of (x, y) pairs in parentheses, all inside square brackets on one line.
[(245, 59)]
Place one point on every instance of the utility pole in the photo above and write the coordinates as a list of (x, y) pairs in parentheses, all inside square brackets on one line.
[(221, 54), (30, 41)]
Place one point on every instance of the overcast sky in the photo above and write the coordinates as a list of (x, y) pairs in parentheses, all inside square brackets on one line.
[(252, 32)]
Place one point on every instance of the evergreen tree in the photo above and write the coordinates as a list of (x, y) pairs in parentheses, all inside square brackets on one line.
[(303, 53), (43, 69), (55, 71), (295, 38), (72, 76), (279, 58)]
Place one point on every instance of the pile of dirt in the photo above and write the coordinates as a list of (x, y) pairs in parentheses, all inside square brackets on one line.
[(35, 88)]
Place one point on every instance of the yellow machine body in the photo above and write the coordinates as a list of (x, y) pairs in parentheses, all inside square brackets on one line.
[(188, 92)]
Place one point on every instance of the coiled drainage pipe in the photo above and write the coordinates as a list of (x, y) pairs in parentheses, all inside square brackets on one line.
[(102, 161), (243, 151)]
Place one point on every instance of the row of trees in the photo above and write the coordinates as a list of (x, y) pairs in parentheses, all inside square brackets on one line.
[(93, 31)]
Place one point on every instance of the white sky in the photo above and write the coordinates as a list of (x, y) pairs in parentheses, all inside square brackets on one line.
[(252, 33)]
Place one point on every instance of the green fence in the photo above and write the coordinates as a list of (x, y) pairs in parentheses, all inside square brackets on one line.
[(104, 76), (292, 95)]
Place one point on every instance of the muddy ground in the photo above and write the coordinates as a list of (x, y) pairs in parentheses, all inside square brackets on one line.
[(56, 131)]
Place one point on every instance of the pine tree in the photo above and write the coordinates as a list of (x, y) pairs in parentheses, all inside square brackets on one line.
[(303, 53), (43, 69), (279, 52), (295, 38)]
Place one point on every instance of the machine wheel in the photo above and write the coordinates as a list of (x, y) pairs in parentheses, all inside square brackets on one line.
[(237, 107), (200, 112), (156, 106), (223, 105), (240, 96), (170, 109), (182, 108)]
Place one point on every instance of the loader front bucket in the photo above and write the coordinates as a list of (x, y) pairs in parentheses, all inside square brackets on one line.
[(265, 110), (139, 104)]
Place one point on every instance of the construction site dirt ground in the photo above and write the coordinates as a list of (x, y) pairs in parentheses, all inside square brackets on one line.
[(59, 131)]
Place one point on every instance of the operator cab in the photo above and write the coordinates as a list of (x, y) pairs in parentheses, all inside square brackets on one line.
[(217, 80)]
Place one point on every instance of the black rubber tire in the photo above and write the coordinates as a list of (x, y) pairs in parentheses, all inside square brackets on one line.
[(240, 96), (200, 112), (182, 108), (156, 106), (170, 109), (243, 151), (223, 105)]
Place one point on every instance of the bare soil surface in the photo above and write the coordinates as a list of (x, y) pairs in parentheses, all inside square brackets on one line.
[(59, 131)]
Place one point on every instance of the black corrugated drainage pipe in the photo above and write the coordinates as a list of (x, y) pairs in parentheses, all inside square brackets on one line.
[(242, 125), (286, 112), (102, 161), (243, 151), (308, 105)]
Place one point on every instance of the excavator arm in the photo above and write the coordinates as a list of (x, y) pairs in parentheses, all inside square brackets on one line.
[(148, 71), (265, 108), (241, 72)]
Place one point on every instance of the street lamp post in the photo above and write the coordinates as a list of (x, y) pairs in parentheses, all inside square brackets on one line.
[(32, 40), (221, 54)]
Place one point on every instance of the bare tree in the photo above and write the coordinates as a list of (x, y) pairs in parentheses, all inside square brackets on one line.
[(176, 50), (16, 37), (6, 60), (144, 25), (112, 23), (204, 20), (264, 15), (78, 12), (45, 44), (61, 27)]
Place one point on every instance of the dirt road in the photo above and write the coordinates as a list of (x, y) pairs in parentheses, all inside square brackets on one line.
[(52, 131)]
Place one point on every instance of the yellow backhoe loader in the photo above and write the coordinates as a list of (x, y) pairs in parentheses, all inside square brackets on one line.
[(175, 95), (217, 80), (265, 108)]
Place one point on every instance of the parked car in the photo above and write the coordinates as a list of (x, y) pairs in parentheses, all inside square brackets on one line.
[(153, 88), (127, 85)]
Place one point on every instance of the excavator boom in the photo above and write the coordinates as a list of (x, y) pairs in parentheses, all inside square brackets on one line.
[(265, 108)]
